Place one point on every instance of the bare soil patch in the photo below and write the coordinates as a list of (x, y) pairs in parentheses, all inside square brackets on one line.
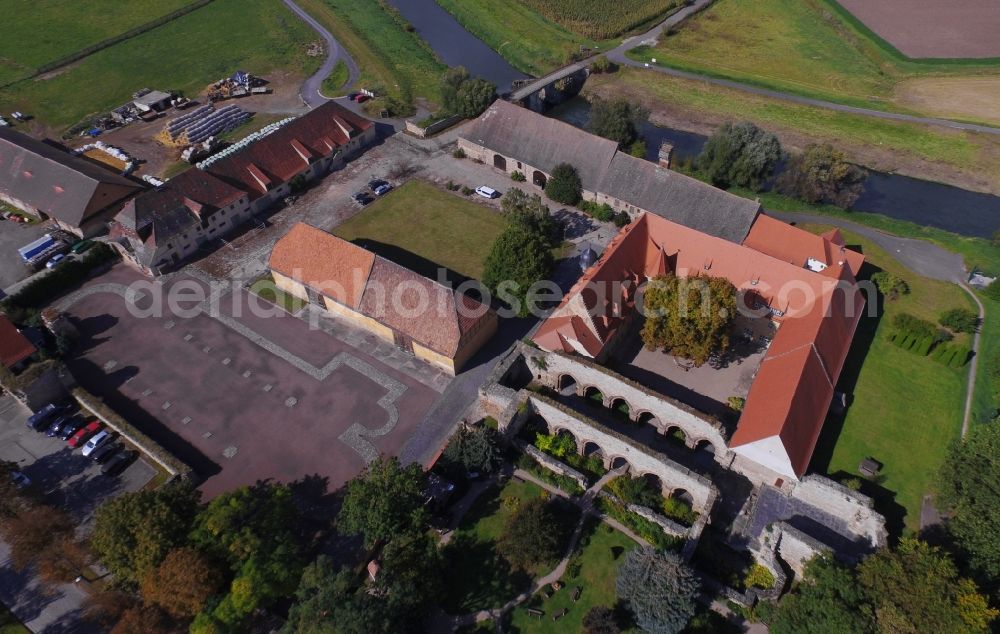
[(954, 97), (923, 29)]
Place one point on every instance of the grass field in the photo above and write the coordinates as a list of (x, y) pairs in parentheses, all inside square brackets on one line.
[(35, 34), (333, 85), (186, 54), (267, 291), (601, 19), (963, 158), (905, 409), (986, 398), (391, 58), (526, 39), (804, 47), (594, 569), (422, 227)]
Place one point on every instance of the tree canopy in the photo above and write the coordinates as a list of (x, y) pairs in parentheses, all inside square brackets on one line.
[(660, 590), (529, 212), (463, 95), (383, 501), (827, 601), (522, 254), (531, 535), (822, 174), (474, 449), (184, 582), (740, 154), (564, 186), (688, 317), (617, 119)]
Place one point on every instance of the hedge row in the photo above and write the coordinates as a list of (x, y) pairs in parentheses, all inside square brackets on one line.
[(953, 356)]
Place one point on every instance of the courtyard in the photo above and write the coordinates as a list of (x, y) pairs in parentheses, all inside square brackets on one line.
[(242, 396)]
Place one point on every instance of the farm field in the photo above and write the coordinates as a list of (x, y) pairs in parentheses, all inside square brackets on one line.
[(602, 20), (36, 34), (905, 410), (184, 55), (964, 159), (390, 57), (422, 227), (807, 47)]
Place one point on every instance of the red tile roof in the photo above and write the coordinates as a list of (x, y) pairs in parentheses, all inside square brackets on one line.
[(14, 347), (794, 385), (329, 265), (287, 152)]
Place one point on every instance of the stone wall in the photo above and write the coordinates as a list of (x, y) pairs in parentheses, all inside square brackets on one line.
[(795, 547), (553, 465), (412, 127), (669, 526), (857, 509)]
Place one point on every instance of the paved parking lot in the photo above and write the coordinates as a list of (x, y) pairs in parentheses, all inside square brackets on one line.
[(241, 397), (13, 236), (64, 476)]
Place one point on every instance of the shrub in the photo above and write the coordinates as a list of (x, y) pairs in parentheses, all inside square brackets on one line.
[(889, 285), (679, 510), (736, 403), (619, 120), (453, 186), (518, 177), (740, 154), (458, 153), (564, 186), (960, 320), (914, 326), (599, 211), (622, 218), (759, 577), (602, 65), (822, 174), (468, 191)]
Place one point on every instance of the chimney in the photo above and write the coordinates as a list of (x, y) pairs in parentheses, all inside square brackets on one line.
[(666, 153)]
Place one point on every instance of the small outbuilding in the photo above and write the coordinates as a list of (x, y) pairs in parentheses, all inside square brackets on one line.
[(153, 101)]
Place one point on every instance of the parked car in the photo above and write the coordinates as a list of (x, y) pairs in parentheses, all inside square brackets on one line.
[(382, 190), (55, 260), (21, 481), (374, 184), (361, 98), (119, 462), (99, 439), (56, 425), (104, 452), (39, 420), (82, 435), (71, 427), (81, 246), (361, 198), (487, 192)]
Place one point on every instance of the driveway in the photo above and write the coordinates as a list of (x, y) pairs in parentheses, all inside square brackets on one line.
[(310, 91)]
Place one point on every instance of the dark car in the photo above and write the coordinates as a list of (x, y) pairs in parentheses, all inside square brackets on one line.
[(118, 462), (40, 419), (104, 452), (361, 198), (56, 425), (376, 183), (71, 427)]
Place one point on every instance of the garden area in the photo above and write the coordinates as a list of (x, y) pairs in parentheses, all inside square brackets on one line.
[(510, 536), (422, 227), (265, 289)]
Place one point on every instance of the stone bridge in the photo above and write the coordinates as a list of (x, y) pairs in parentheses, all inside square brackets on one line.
[(552, 89), (619, 451)]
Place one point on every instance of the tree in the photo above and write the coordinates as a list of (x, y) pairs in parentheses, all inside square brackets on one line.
[(564, 186), (183, 583), (134, 532), (33, 531), (532, 214), (969, 480), (143, 619), (740, 154), (474, 96), (451, 81), (384, 501), (827, 601), (617, 119), (660, 590), (531, 535), (822, 174), (519, 258), (960, 320), (688, 317), (411, 578), (475, 449), (600, 620), (602, 64), (12, 499), (916, 588), (890, 285), (62, 560)]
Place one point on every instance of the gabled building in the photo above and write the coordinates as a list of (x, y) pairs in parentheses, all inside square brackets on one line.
[(429, 320), (515, 139), (15, 349), (50, 183), (159, 229), (308, 147), (804, 284)]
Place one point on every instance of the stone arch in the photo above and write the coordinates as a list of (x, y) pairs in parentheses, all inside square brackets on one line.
[(539, 179), (620, 406), (594, 394), (566, 382), (499, 162), (683, 496), (705, 446), (647, 418), (674, 434), (654, 481), (562, 431), (591, 448), (620, 461)]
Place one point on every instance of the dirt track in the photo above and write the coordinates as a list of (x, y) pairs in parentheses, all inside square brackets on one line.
[(924, 28)]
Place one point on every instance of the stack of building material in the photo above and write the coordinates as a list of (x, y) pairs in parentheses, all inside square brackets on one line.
[(201, 123)]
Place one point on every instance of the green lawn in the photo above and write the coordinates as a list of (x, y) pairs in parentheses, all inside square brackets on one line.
[(594, 569), (186, 54), (478, 577), (423, 227), (797, 46), (602, 19), (266, 290), (36, 34), (905, 410), (530, 42), (391, 58), (9, 623), (965, 154), (986, 399), (334, 83)]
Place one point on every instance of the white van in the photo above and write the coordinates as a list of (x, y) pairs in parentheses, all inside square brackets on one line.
[(96, 442), (487, 192)]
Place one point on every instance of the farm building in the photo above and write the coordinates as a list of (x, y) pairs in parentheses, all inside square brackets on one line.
[(47, 182), (432, 321), (152, 101), (515, 139)]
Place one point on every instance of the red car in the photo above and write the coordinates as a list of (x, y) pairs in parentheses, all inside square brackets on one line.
[(361, 98), (82, 435)]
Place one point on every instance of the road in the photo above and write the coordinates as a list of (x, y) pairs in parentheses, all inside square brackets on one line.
[(310, 91), (617, 55)]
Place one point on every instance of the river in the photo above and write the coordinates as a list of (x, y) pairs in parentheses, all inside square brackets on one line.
[(922, 202)]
